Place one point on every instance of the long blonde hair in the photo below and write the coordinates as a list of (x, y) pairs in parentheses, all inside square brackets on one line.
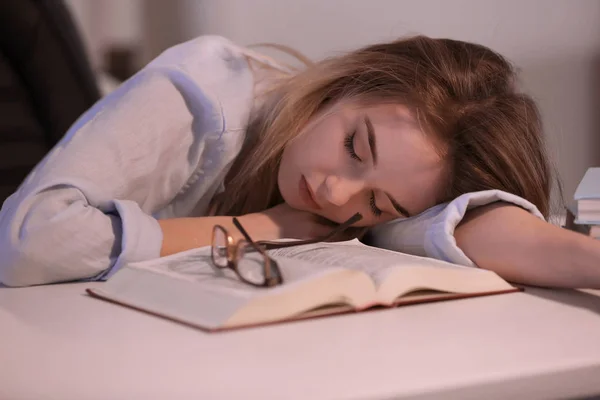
[(463, 94)]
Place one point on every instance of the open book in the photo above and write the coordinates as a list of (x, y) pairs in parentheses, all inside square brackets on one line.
[(319, 279)]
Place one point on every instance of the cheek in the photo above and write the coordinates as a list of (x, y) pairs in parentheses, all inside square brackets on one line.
[(323, 144), (287, 168), (325, 154)]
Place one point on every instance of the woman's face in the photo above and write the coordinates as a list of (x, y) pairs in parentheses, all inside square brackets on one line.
[(374, 160)]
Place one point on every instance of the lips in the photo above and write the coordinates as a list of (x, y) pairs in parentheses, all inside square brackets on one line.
[(307, 194)]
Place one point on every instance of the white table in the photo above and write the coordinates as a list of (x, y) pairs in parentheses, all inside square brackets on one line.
[(58, 343)]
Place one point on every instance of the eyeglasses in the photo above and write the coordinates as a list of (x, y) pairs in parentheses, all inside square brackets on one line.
[(249, 259)]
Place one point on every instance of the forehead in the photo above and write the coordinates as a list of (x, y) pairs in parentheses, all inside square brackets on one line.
[(391, 115)]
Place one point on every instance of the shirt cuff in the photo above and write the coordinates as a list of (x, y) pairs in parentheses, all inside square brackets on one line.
[(141, 237), (431, 233)]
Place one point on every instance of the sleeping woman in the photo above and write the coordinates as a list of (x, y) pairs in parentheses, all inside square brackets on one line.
[(430, 140)]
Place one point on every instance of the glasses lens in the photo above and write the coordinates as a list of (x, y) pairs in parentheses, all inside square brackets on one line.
[(219, 247), (250, 264)]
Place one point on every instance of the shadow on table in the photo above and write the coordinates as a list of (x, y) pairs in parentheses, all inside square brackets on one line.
[(571, 297)]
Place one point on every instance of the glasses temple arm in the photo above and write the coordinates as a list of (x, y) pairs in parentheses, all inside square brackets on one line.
[(242, 230)]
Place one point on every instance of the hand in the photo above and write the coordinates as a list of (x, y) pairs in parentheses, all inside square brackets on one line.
[(283, 221)]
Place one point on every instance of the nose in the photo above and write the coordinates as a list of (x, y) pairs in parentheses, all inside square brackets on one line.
[(340, 190)]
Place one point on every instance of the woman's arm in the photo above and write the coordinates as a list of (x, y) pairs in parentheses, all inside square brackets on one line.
[(88, 207), (180, 234), (524, 249), (281, 221)]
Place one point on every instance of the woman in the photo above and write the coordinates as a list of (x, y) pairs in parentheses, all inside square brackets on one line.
[(209, 130)]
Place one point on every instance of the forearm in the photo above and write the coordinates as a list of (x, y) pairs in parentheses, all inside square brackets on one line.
[(523, 249), (180, 234)]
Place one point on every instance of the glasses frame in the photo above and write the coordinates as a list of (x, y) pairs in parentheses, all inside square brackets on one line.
[(271, 270), (233, 251)]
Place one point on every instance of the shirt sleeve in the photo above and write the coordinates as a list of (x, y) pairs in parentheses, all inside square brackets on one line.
[(87, 208), (431, 233)]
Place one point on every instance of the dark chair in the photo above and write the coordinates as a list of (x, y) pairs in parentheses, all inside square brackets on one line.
[(46, 83)]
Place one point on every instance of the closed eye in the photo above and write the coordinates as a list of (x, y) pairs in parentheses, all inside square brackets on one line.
[(373, 205), (349, 145)]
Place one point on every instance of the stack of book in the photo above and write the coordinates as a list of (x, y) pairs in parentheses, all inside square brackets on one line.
[(585, 212)]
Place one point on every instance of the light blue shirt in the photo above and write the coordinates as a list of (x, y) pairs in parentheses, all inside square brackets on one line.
[(159, 147)]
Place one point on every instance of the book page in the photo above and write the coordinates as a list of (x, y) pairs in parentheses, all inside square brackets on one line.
[(196, 266), (348, 255), (353, 254)]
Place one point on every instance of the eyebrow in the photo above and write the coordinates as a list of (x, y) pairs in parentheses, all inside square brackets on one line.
[(401, 210), (373, 147), (372, 142)]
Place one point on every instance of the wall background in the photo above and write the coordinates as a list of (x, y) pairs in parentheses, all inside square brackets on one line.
[(555, 44)]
